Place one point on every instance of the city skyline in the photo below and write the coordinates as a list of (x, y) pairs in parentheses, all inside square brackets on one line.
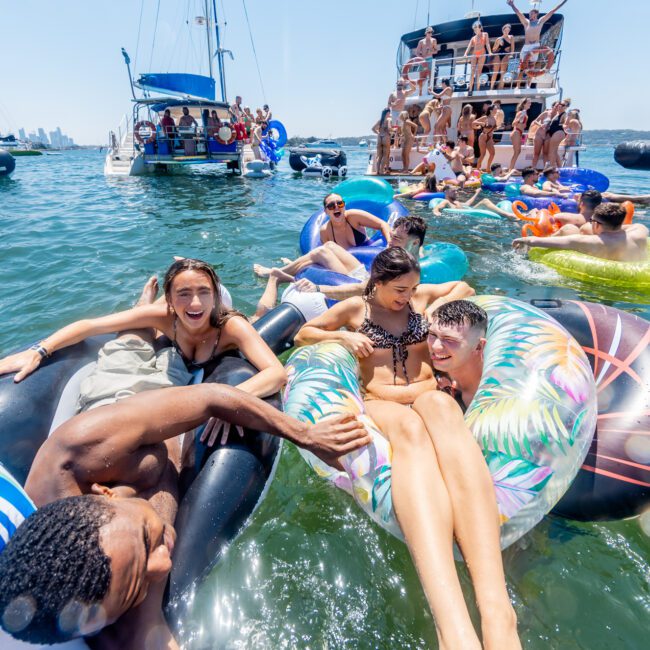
[(57, 139)]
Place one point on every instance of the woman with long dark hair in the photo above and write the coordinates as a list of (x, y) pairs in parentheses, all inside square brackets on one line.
[(193, 318), (387, 331), (383, 128)]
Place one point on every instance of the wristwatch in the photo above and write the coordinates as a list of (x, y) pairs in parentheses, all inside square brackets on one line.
[(41, 350)]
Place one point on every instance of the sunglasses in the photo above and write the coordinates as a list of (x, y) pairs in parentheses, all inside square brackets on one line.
[(335, 204)]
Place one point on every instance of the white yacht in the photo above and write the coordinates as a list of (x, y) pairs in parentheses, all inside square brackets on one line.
[(449, 63)]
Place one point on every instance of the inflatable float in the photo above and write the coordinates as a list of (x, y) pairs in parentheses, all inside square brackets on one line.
[(7, 164), (534, 416), (468, 212), (579, 179), (257, 169), (238, 472), (633, 155), (302, 158), (634, 276), (614, 481)]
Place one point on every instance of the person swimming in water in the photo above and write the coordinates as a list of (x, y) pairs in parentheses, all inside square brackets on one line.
[(610, 239), (440, 484), (343, 229)]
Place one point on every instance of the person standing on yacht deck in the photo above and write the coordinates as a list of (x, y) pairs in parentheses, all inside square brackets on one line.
[(427, 48), (397, 99), (167, 124), (236, 109), (188, 122), (256, 139), (533, 31)]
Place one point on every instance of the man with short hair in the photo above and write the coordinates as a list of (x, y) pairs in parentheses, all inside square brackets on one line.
[(467, 153), (455, 159), (256, 139), (611, 240), (426, 49), (530, 177), (456, 343), (407, 233), (496, 171), (98, 550), (236, 109), (397, 99), (581, 222)]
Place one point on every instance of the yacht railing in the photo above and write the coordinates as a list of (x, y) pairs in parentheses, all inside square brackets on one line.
[(458, 70), (118, 138)]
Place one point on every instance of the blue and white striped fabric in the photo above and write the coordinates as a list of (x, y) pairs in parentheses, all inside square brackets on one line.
[(15, 506)]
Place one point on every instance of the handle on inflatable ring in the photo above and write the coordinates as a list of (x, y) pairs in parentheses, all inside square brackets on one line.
[(416, 60), (529, 227), (517, 207), (629, 212), (553, 209), (550, 59)]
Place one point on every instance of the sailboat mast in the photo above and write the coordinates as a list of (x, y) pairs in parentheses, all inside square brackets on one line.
[(208, 33), (222, 68)]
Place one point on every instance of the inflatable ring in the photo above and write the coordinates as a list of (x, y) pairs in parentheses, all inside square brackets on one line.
[(225, 135), (142, 125), (533, 415), (531, 71), (634, 276), (416, 60), (468, 212), (282, 133)]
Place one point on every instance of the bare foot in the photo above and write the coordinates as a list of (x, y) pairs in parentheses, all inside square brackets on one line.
[(261, 271), (285, 260), (280, 275), (149, 292)]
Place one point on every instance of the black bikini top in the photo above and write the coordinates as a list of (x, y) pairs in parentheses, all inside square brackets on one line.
[(190, 363), (417, 330), (360, 238)]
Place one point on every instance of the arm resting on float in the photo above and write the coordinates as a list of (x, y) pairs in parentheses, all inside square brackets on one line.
[(327, 326), (368, 220), (272, 375)]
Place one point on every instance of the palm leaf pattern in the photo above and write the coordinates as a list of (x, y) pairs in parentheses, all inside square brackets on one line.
[(534, 415)]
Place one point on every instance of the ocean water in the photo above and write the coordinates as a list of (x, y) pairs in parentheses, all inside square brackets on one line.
[(310, 571)]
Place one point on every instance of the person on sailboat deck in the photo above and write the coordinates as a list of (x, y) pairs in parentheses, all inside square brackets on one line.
[(344, 229), (236, 109), (256, 139), (188, 125), (533, 31), (167, 124), (426, 49)]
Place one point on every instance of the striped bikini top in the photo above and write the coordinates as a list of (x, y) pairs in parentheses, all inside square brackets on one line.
[(417, 330)]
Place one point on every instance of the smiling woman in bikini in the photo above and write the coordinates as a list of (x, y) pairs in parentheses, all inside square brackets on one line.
[(343, 229), (193, 318), (388, 333)]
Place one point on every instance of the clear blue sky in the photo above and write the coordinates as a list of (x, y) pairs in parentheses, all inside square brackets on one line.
[(327, 66)]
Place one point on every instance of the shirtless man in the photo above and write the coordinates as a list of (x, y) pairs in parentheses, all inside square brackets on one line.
[(611, 240), (236, 109), (426, 49), (256, 139), (408, 233), (455, 158), (499, 115), (552, 182), (496, 171), (467, 153), (456, 342), (98, 550), (533, 31), (397, 99), (530, 177), (451, 201)]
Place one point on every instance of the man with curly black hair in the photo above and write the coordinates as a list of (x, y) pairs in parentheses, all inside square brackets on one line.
[(96, 554)]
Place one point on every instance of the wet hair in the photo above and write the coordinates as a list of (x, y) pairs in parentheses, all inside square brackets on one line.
[(414, 227), (220, 314), (550, 170), (495, 166), (451, 144), (611, 214), (53, 570), (390, 264), (431, 183), (464, 138), (591, 198), (528, 171), (461, 312)]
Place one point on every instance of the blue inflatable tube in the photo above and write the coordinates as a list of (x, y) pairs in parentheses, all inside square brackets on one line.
[(310, 235), (282, 133), (565, 205), (427, 196), (578, 179)]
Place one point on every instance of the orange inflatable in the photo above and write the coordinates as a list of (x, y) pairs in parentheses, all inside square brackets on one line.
[(542, 224)]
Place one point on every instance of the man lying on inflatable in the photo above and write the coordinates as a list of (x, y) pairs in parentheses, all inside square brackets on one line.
[(94, 557)]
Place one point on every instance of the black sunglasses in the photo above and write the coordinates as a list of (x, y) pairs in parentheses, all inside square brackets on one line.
[(335, 204)]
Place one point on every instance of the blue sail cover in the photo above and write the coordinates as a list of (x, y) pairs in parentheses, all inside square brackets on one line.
[(176, 83)]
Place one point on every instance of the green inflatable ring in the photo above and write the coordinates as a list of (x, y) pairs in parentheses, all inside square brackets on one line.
[(594, 270)]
